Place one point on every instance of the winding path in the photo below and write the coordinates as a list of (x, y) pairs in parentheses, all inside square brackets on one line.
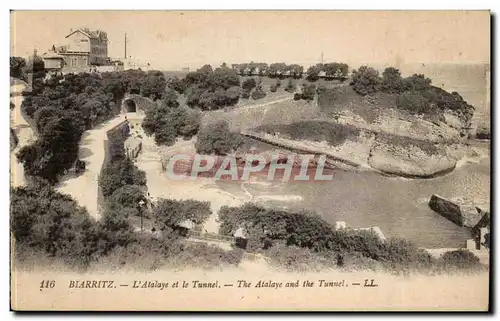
[(23, 132), (84, 188)]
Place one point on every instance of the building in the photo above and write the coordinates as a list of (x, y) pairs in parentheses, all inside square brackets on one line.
[(53, 61), (83, 50)]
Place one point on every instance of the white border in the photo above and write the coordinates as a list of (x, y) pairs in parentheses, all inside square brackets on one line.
[(189, 5)]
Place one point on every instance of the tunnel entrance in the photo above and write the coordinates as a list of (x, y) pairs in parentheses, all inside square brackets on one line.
[(130, 106)]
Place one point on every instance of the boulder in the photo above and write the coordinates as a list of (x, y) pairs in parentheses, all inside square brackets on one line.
[(409, 161), (464, 215)]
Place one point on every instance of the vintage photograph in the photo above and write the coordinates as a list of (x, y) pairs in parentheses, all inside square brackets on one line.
[(250, 160)]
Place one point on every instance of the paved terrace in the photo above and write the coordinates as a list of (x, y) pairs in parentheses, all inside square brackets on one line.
[(84, 188)]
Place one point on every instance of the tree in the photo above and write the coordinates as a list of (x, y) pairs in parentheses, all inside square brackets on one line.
[(417, 82), (169, 213), (392, 82), (46, 220), (290, 87), (258, 93), (365, 80), (216, 138), (153, 85), (128, 196), (17, 66), (249, 84), (166, 124), (313, 72), (414, 102), (120, 173), (308, 92), (170, 98)]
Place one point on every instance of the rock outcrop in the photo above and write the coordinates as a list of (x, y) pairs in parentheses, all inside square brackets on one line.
[(409, 161), (459, 212)]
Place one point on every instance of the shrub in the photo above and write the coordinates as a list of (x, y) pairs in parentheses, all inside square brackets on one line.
[(295, 259), (216, 138), (129, 196), (365, 80), (169, 213), (166, 124), (308, 92), (297, 96), (460, 259), (417, 82), (258, 93), (53, 223), (201, 255), (392, 82), (483, 131), (334, 134), (414, 102), (245, 94), (290, 87), (249, 84), (273, 88), (119, 173)]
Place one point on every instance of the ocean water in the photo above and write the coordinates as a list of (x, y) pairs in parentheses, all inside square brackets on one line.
[(400, 206)]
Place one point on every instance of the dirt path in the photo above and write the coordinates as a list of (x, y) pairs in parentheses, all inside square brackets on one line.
[(24, 134), (84, 188), (243, 108)]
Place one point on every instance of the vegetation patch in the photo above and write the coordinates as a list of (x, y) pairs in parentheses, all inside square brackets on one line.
[(334, 134), (216, 138), (311, 240)]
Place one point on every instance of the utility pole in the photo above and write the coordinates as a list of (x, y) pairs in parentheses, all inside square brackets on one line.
[(125, 46), (322, 57)]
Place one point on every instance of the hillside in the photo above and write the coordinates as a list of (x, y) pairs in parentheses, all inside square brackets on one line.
[(370, 130)]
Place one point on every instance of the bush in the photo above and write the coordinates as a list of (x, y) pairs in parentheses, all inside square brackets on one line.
[(169, 213), (53, 223), (245, 94), (119, 173), (460, 259), (414, 102), (216, 138), (201, 255), (297, 96), (129, 196), (166, 124), (483, 131), (249, 84), (258, 93), (308, 92), (417, 82), (392, 82), (365, 80), (290, 87), (334, 134), (295, 259)]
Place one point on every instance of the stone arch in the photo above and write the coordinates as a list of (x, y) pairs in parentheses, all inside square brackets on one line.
[(141, 104), (130, 106)]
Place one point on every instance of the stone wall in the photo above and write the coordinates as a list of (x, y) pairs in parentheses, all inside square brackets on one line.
[(115, 143)]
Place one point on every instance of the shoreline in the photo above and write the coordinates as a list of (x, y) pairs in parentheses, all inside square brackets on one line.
[(298, 146)]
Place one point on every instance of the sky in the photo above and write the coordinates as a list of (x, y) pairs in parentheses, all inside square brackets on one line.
[(173, 39)]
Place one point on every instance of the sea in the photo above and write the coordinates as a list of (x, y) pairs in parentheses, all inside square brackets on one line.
[(399, 206)]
